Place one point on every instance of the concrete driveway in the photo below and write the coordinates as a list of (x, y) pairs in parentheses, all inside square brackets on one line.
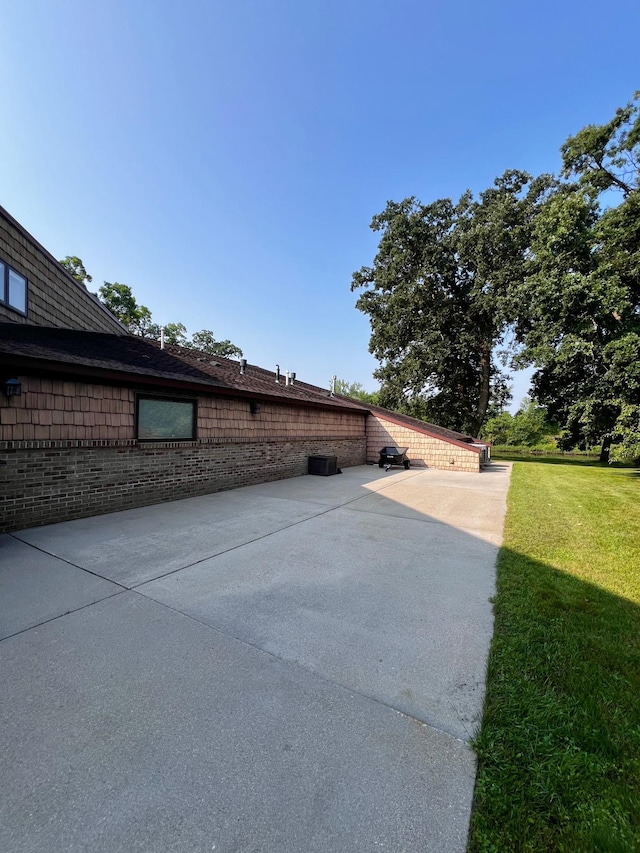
[(295, 666)]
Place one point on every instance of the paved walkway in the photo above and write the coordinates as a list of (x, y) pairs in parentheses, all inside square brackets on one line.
[(289, 668)]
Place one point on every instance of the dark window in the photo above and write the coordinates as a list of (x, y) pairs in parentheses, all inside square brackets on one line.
[(13, 288), (162, 419)]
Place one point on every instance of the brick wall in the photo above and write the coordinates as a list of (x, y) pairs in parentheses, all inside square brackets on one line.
[(45, 482), (423, 449), (70, 450), (55, 298)]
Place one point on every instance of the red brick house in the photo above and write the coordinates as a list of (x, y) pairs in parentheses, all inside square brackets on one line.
[(105, 420)]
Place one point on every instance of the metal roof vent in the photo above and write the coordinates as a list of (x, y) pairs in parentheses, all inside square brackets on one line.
[(243, 366)]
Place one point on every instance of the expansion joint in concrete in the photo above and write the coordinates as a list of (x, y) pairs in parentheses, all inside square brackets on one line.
[(422, 721)]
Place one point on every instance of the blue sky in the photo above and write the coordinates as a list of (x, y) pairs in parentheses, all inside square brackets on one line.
[(225, 159)]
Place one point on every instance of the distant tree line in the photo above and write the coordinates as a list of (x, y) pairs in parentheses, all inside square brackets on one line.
[(356, 391), (529, 427), (120, 301), (535, 271)]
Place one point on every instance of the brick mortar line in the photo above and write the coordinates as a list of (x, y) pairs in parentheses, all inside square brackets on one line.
[(135, 444)]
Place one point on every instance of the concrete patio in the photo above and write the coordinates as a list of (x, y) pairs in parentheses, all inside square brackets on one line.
[(294, 666)]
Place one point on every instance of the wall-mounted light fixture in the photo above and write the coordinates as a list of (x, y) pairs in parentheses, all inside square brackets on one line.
[(254, 407), (12, 387)]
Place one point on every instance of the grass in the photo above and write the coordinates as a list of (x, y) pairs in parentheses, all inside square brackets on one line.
[(504, 450), (559, 747)]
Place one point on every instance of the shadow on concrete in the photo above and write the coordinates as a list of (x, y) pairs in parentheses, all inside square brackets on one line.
[(292, 666)]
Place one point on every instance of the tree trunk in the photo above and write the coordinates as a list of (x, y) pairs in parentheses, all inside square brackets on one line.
[(483, 401)]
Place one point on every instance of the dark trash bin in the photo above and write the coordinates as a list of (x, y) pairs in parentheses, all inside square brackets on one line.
[(394, 456), (323, 465)]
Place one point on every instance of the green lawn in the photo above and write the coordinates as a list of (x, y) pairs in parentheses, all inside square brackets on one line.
[(559, 748)]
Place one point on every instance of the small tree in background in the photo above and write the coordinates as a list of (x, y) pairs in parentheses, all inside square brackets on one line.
[(529, 427), (174, 333), (74, 265), (119, 300), (356, 391), (205, 342)]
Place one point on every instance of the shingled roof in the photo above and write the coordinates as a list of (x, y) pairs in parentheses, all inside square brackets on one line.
[(257, 381), (129, 358), (100, 351), (424, 426)]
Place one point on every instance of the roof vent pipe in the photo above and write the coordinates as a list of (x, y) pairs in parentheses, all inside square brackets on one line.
[(278, 373), (287, 381), (334, 379), (243, 366), (161, 337), (293, 376)]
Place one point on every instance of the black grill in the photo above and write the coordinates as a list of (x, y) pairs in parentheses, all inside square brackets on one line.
[(394, 456)]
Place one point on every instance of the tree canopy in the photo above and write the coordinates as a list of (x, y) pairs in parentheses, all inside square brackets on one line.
[(205, 341), (356, 391), (439, 298), (119, 300), (580, 325), (534, 271), (75, 266)]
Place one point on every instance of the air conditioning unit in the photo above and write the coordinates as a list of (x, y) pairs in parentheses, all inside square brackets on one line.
[(323, 465)]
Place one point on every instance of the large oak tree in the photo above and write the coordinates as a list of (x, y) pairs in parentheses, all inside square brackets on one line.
[(439, 297), (551, 266), (580, 322)]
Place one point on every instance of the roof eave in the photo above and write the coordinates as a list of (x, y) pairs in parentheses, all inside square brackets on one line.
[(68, 371), (430, 433)]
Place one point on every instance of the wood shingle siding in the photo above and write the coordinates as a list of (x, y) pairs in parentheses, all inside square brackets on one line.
[(424, 450), (55, 298)]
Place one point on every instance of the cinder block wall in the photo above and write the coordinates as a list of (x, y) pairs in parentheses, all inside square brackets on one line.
[(70, 450), (423, 449), (55, 298)]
